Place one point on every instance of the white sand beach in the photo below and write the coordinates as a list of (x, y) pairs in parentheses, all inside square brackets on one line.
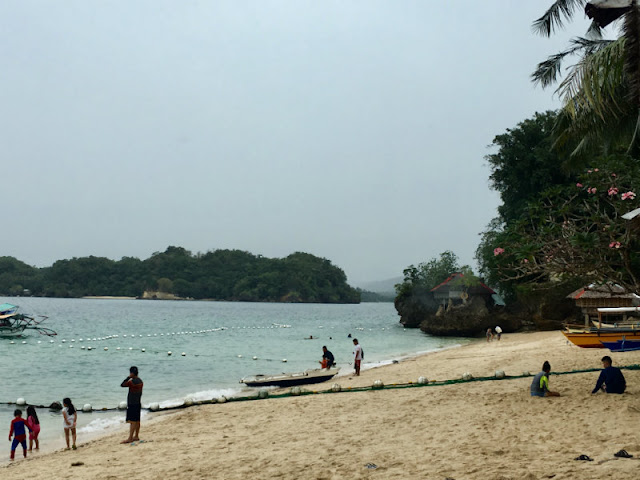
[(475, 430)]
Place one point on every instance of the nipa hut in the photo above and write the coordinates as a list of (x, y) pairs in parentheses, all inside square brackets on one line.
[(592, 297), (453, 291)]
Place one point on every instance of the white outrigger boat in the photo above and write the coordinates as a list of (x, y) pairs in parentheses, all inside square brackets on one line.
[(307, 377), (13, 324)]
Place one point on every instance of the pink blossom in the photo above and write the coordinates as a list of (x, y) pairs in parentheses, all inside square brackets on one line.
[(498, 251), (615, 245), (592, 190), (524, 260), (579, 185), (628, 195), (612, 191), (595, 170), (589, 171), (613, 175)]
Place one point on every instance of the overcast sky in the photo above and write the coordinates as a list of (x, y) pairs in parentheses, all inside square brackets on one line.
[(353, 130)]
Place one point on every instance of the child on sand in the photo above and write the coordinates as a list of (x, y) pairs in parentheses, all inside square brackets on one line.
[(18, 425), (34, 425), (70, 416)]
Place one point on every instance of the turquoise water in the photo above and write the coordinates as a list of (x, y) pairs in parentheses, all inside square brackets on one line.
[(219, 340)]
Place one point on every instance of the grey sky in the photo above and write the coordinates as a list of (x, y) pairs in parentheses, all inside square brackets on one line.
[(355, 131)]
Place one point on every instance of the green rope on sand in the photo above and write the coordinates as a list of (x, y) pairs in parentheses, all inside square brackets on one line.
[(435, 383)]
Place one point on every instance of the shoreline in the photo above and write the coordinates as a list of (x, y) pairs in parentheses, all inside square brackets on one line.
[(477, 430)]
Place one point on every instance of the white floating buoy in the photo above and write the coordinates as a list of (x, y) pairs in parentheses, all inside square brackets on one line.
[(89, 348), (183, 354), (51, 341), (500, 374), (130, 348), (80, 340), (154, 407), (378, 384), (13, 343), (122, 406), (422, 380), (169, 353), (467, 376), (284, 360), (21, 401), (39, 341), (24, 343), (336, 387), (64, 341), (118, 348), (124, 336), (81, 347), (106, 348), (143, 350), (87, 408), (70, 346), (222, 399), (239, 356), (255, 358)]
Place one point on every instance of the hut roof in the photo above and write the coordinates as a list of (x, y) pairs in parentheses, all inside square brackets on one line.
[(608, 290), (475, 290)]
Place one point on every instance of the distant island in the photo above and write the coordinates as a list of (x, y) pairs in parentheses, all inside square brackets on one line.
[(231, 275)]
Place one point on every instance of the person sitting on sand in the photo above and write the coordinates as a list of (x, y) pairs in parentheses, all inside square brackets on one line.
[(540, 383), (611, 379), (327, 358)]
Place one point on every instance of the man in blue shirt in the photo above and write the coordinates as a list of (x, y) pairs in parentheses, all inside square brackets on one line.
[(611, 379)]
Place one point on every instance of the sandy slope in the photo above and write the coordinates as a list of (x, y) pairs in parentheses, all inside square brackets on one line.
[(477, 430)]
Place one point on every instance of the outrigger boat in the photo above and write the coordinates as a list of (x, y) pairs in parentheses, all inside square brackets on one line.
[(594, 337), (623, 345), (307, 377), (13, 324)]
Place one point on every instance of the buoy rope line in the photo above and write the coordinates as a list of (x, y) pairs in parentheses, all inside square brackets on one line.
[(297, 391)]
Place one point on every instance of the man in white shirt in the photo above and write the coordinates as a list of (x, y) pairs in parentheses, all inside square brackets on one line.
[(358, 354)]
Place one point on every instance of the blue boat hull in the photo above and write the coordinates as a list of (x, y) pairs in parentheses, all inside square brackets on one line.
[(623, 345)]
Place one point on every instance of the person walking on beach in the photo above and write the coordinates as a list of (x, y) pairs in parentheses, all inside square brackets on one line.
[(34, 425), (358, 354), (70, 417), (327, 358), (611, 379), (489, 334), (540, 383), (17, 430), (498, 331), (134, 383)]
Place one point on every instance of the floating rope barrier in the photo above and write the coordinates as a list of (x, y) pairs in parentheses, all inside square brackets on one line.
[(298, 391)]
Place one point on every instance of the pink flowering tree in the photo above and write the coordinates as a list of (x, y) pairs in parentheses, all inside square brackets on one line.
[(574, 231)]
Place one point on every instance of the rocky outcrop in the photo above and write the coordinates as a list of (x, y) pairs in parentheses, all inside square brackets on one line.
[(472, 318), (469, 320)]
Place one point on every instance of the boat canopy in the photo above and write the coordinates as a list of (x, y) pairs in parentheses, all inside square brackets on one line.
[(7, 307), (618, 309)]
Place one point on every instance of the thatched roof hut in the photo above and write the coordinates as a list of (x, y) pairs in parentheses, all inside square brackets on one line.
[(592, 297)]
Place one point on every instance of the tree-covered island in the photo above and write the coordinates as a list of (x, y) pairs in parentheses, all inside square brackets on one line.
[(232, 275)]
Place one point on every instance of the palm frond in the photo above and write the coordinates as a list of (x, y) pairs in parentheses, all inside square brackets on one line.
[(552, 19), (594, 31), (548, 71)]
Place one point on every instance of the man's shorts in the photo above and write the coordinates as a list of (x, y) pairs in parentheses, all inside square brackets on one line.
[(133, 413)]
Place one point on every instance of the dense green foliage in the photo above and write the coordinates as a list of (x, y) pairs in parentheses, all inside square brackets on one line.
[(218, 275), (554, 227)]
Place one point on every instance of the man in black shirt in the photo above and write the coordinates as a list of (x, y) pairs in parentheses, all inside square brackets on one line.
[(327, 358), (134, 383), (611, 379)]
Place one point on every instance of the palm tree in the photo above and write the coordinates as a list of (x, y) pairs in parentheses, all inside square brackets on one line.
[(601, 92)]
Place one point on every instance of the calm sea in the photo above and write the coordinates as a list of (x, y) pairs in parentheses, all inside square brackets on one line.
[(218, 339)]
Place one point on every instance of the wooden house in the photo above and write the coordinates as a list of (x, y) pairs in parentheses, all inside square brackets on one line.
[(592, 297), (453, 291)]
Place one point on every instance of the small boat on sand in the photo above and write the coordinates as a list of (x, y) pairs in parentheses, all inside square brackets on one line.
[(307, 377), (13, 324), (623, 345)]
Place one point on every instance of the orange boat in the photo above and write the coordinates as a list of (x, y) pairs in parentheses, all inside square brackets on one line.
[(593, 338)]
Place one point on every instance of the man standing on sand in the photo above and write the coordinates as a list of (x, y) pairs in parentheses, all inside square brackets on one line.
[(134, 383), (611, 379), (357, 355), (540, 383)]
